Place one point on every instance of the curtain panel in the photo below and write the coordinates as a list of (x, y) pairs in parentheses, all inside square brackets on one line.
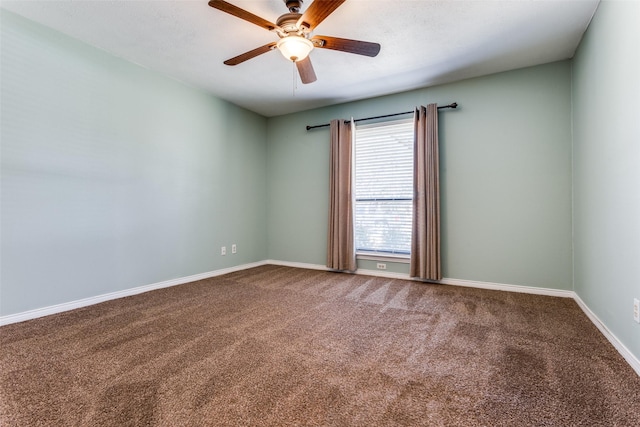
[(425, 242), (340, 239)]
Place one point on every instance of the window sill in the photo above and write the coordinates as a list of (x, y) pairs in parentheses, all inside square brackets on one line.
[(370, 256)]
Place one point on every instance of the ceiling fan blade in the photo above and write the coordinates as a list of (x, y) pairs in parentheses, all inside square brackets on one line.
[(305, 69), (317, 12), (251, 54), (242, 14), (346, 45)]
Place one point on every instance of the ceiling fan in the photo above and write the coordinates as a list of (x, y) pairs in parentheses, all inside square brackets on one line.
[(294, 29)]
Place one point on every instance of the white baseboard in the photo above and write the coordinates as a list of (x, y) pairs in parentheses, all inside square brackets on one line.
[(59, 308), (508, 288), (297, 264), (622, 349), (444, 281)]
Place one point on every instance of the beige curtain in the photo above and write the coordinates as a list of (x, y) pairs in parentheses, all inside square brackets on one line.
[(340, 246), (425, 242)]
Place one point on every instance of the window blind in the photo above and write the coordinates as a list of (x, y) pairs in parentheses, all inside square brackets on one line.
[(384, 187)]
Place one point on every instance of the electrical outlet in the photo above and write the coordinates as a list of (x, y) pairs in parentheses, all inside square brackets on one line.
[(234, 248), (636, 310), (223, 250), (381, 266)]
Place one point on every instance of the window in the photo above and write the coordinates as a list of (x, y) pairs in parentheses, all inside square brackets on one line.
[(384, 187)]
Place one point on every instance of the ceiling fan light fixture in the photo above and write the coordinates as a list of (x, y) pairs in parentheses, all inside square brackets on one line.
[(295, 48)]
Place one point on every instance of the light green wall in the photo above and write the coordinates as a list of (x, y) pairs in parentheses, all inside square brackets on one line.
[(115, 177), (606, 128), (505, 171)]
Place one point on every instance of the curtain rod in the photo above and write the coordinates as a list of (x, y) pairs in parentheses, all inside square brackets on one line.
[(452, 105)]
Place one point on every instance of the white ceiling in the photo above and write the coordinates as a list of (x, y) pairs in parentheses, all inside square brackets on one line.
[(424, 42)]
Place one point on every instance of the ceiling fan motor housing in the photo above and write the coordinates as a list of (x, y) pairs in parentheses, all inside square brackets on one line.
[(288, 22)]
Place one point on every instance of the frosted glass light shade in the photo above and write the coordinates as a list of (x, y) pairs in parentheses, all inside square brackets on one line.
[(295, 48)]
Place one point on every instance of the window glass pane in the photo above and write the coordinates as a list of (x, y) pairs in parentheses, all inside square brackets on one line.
[(383, 226), (384, 186)]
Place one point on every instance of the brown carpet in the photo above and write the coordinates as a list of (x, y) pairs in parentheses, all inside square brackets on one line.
[(282, 346)]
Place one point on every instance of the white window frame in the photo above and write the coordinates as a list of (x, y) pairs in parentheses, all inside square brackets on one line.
[(405, 189)]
